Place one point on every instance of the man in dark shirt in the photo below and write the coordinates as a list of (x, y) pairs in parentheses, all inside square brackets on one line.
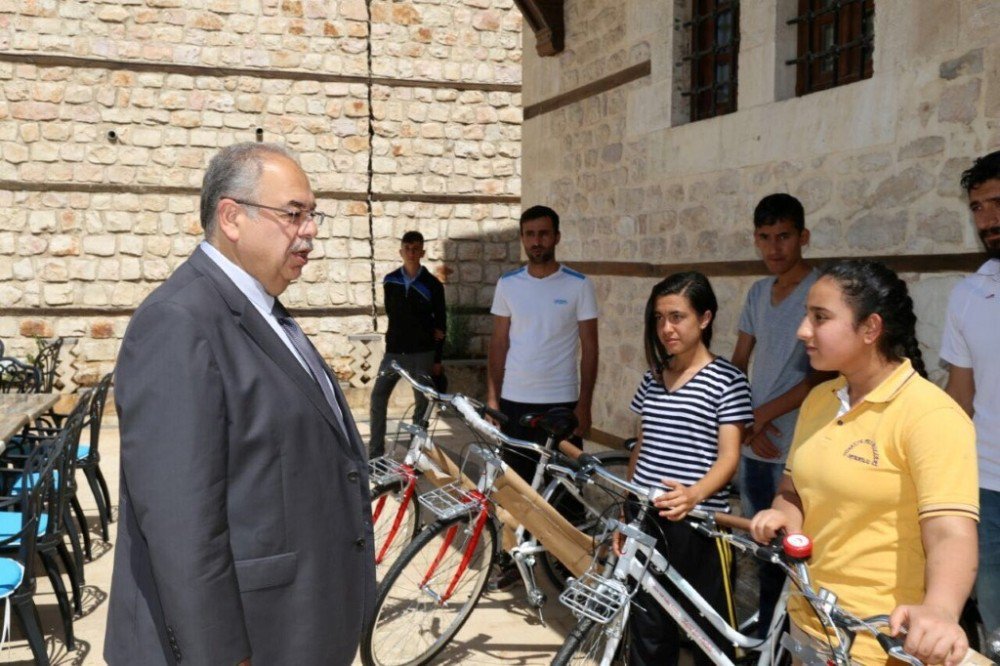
[(414, 303)]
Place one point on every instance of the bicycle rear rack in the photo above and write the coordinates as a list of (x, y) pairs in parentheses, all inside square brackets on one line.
[(449, 501), (595, 597), (384, 471)]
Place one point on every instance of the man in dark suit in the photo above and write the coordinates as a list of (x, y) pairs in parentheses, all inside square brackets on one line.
[(245, 532)]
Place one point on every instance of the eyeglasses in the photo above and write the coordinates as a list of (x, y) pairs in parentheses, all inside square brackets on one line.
[(296, 217)]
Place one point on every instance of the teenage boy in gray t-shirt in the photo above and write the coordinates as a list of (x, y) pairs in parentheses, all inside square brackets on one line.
[(781, 376)]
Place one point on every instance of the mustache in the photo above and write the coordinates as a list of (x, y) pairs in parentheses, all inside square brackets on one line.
[(990, 231), (301, 245)]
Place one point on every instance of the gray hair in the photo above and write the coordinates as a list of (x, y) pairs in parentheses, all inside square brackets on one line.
[(234, 172)]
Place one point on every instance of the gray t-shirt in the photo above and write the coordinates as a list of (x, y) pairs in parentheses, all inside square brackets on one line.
[(779, 357)]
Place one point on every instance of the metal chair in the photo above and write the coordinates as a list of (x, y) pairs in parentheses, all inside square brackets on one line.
[(20, 516), (54, 525), (47, 362), (17, 377), (89, 458)]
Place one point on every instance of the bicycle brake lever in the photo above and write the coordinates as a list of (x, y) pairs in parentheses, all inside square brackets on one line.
[(893, 646)]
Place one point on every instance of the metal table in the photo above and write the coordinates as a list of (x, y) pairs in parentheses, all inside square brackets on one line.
[(19, 409)]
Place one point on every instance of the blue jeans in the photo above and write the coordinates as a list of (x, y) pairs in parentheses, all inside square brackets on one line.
[(758, 486), (988, 579)]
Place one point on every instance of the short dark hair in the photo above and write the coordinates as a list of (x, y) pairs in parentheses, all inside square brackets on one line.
[(777, 207), (537, 213), (412, 237), (983, 169), (698, 290)]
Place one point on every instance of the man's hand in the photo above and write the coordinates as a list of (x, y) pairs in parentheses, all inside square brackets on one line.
[(493, 403), (678, 501), (245, 662), (933, 636), (582, 413), (436, 369), (757, 438), (439, 335)]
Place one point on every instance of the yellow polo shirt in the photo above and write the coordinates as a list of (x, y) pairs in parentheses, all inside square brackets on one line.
[(866, 479)]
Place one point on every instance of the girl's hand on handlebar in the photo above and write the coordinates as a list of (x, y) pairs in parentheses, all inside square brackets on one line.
[(765, 525), (617, 543), (678, 501), (933, 635)]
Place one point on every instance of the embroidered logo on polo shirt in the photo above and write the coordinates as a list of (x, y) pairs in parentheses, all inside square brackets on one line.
[(864, 451), (561, 301)]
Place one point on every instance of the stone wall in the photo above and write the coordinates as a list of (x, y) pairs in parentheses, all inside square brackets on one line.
[(876, 163), (109, 112)]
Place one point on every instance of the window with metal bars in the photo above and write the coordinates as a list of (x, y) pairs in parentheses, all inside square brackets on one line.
[(835, 43), (715, 38)]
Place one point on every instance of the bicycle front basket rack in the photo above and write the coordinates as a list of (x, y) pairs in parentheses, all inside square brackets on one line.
[(383, 471), (595, 597), (449, 501)]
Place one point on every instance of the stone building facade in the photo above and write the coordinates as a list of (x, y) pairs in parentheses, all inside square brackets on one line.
[(405, 114), (645, 192)]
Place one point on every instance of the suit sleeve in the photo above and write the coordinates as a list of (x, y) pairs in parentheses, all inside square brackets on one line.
[(174, 452), (440, 318)]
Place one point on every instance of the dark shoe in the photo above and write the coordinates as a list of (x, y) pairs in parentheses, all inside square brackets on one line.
[(506, 577)]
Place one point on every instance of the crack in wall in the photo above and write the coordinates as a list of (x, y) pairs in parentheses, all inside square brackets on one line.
[(369, 195)]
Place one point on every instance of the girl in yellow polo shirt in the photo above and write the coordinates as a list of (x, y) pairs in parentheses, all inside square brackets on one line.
[(882, 471)]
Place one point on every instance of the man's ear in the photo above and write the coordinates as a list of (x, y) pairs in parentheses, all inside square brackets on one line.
[(228, 219), (804, 238)]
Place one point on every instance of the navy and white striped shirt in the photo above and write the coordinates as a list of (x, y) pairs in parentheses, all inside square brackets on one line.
[(680, 429)]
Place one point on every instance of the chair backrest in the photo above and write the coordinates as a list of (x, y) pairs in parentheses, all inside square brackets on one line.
[(17, 377), (35, 489), (96, 413), (60, 451), (47, 362)]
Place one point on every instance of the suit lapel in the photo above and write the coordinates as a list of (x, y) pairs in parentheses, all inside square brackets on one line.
[(264, 336)]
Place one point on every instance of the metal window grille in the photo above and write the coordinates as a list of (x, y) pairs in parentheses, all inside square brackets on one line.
[(835, 43), (715, 39)]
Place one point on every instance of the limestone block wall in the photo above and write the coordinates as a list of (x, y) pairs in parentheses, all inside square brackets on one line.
[(644, 192), (109, 112)]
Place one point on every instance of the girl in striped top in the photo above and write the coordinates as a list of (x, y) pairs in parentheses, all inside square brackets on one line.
[(693, 407)]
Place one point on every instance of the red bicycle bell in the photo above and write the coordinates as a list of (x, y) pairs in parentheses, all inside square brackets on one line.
[(797, 546)]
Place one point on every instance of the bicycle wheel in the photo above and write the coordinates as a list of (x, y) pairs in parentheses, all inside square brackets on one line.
[(411, 625), (395, 521), (599, 498), (589, 642)]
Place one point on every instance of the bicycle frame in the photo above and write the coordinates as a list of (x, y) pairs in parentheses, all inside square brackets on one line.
[(403, 476), (629, 565)]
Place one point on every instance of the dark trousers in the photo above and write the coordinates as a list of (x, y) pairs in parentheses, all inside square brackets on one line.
[(418, 364), (654, 637), (521, 461)]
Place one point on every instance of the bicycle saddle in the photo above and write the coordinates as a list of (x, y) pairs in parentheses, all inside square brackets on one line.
[(559, 422)]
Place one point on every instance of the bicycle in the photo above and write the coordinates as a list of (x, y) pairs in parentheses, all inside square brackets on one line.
[(602, 601), (435, 584), (393, 483)]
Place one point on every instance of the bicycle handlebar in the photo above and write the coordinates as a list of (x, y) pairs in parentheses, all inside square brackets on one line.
[(428, 391), (469, 409)]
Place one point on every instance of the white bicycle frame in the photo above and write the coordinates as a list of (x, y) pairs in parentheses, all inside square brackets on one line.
[(630, 566)]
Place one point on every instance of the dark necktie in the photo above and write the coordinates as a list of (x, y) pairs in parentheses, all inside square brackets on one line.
[(310, 356)]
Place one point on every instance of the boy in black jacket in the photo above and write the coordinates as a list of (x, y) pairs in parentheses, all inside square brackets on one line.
[(414, 303)]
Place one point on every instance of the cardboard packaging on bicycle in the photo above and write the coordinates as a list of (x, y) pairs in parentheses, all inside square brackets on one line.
[(520, 504)]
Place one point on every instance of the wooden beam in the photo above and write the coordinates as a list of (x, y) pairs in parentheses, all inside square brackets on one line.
[(545, 18), (591, 89)]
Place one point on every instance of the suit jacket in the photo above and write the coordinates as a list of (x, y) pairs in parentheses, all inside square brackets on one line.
[(245, 518)]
